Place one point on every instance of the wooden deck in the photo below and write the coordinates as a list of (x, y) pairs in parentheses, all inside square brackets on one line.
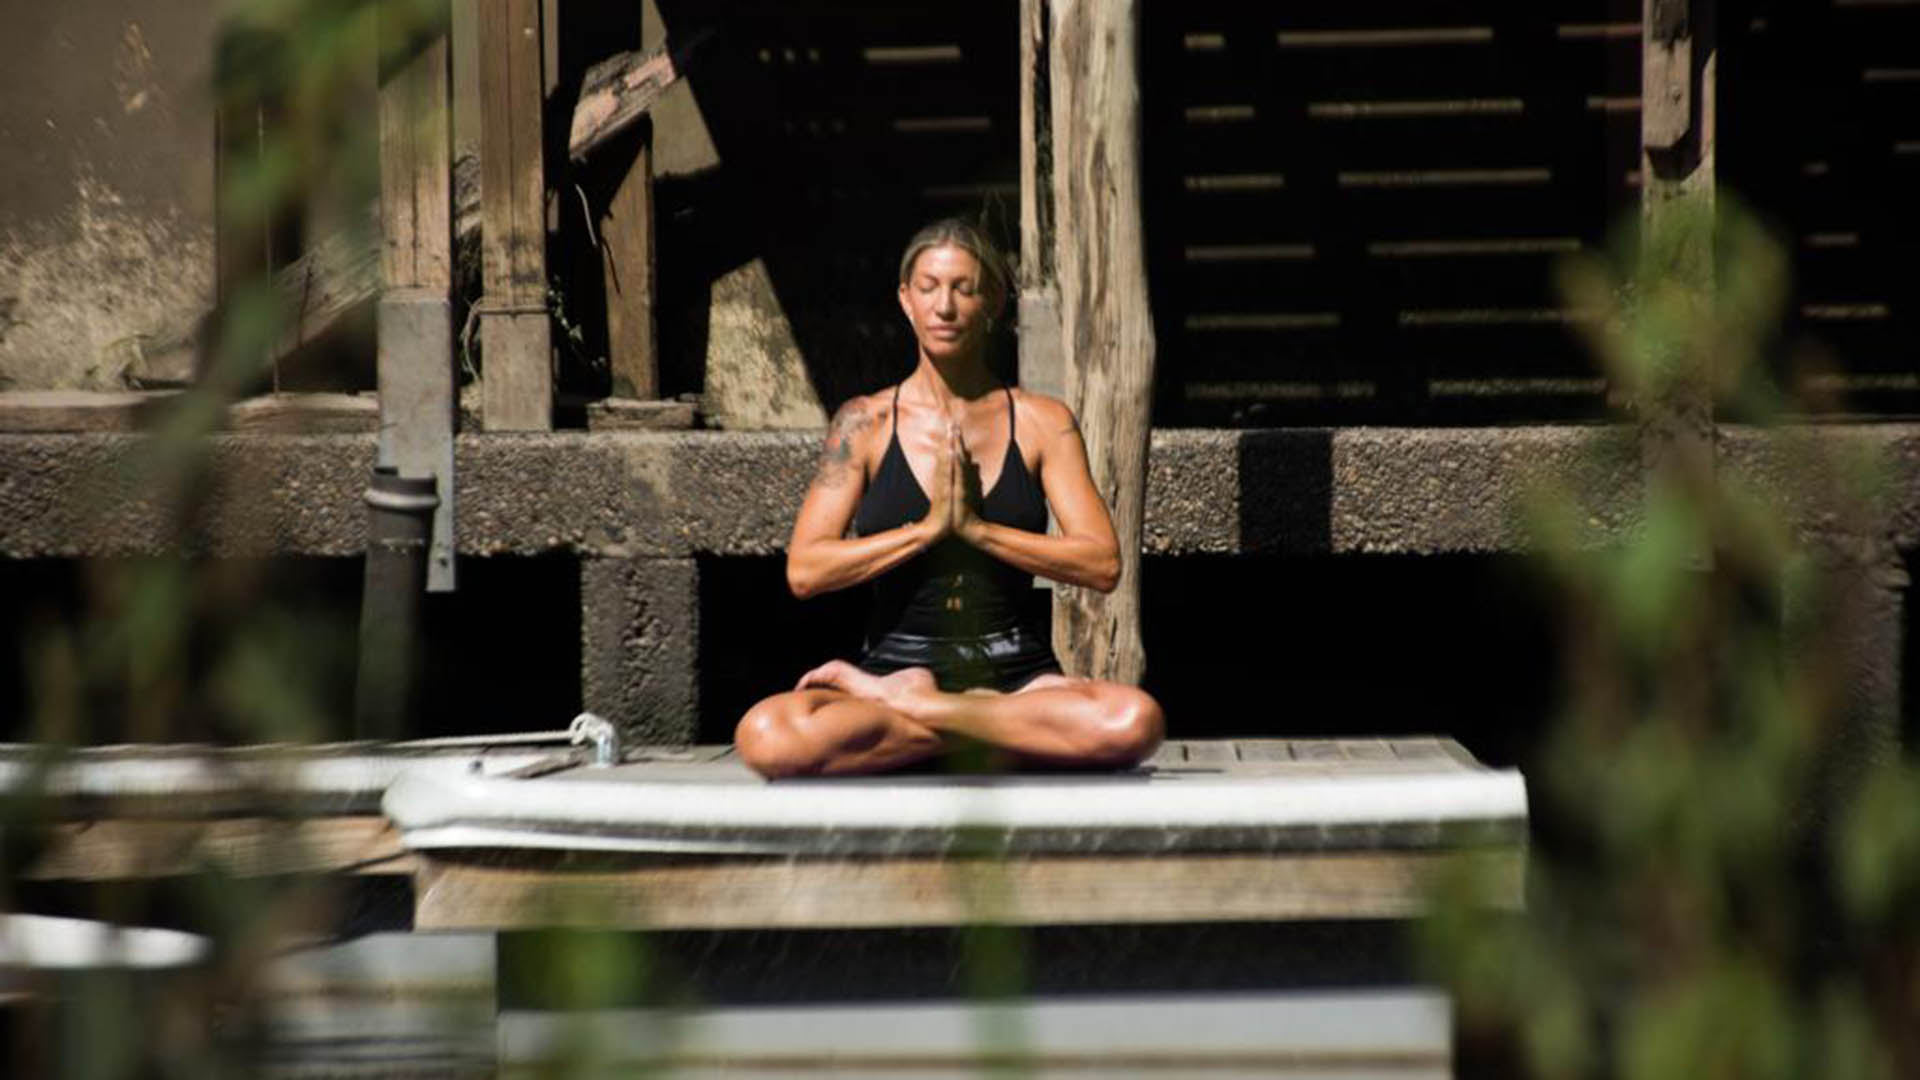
[(1265, 829)]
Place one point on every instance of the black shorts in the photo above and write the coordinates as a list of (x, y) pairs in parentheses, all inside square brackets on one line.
[(1005, 660)]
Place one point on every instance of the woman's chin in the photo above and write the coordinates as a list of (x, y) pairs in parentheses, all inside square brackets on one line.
[(937, 348)]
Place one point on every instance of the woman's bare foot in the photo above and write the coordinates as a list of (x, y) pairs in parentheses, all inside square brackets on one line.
[(894, 690)]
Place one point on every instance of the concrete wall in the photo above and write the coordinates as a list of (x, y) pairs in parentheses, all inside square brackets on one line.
[(106, 225), (641, 510)]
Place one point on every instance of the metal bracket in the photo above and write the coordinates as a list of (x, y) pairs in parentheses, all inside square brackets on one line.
[(605, 738), (417, 408)]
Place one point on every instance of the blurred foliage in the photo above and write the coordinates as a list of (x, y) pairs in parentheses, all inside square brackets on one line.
[(1726, 862), (176, 647)]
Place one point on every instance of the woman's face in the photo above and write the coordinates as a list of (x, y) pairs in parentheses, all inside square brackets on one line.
[(947, 301)]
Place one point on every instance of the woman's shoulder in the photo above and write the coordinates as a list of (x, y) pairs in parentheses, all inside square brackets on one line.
[(860, 416), (1042, 414)]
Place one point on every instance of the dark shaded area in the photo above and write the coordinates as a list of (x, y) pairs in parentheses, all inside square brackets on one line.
[(355, 904), (768, 967), (1286, 490), (1349, 231), (1237, 646), (842, 126), (756, 639), (501, 654), (1817, 137), (585, 35), (1352, 645)]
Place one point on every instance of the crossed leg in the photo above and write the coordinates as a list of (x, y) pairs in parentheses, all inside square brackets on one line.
[(844, 721)]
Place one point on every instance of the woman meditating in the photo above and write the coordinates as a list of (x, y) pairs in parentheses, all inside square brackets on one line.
[(946, 480)]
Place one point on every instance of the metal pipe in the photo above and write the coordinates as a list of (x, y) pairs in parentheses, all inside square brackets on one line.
[(399, 522)]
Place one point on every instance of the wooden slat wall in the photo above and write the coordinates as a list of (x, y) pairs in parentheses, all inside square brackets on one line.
[(1820, 117), (1356, 209)]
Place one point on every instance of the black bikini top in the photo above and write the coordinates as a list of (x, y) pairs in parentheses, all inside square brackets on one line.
[(952, 589)]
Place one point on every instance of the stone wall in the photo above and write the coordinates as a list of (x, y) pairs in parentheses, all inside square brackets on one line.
[(106, 230)]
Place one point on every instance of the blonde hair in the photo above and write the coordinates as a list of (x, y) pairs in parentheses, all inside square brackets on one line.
[(970, 238)]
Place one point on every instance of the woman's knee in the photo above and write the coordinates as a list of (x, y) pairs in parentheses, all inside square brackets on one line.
[(769, 742), (1131, 728)]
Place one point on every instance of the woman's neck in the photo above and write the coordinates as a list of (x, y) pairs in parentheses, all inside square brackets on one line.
[(963, 377)]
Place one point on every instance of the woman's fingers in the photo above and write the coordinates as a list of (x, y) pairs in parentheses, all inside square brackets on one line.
[(825, 675)]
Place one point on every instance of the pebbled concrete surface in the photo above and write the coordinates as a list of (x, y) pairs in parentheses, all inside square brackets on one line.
[(639, 647), (678, 494)]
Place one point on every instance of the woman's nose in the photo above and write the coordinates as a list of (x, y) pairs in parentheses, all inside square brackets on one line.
[(943, 303)]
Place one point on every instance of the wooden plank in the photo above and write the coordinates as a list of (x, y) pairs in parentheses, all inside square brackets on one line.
[(621, 414), (1366, 750), (40, 411), (1106, 327), (796, 893), (1171, 754), (517, 377), (334, 278), (1210, 752), (305, 414), (1264, 750), (416, 152), (1317, 750), (626, 235), (615, 94), (1425, 748), (126, 849)]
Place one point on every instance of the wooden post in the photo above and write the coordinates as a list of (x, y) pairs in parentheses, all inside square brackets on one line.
[(602, 46), (626, 264), (1106, 328), (1677, 232), (517, 375), (1040, 359), (416, 372)]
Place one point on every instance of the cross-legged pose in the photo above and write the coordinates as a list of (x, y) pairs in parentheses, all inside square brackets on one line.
[(946, 481)]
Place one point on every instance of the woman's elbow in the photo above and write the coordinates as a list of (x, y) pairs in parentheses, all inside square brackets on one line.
[(802, 584), (1106, 574)]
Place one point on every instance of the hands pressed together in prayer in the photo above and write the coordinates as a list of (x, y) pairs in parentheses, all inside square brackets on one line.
[(953, 491)]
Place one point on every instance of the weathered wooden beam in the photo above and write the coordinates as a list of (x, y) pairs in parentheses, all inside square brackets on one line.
[(626, 236), (119, 850), (416, 373), (783, 892), (416, 158), (615, 94), (42, 411), (517, 376), (1106, 329), (1041, 364), (621, 179)]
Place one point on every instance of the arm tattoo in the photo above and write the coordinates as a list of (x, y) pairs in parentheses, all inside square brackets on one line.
[(836, 458)]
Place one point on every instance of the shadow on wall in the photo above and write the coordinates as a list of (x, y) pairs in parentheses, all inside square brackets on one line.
[(1286, 490)]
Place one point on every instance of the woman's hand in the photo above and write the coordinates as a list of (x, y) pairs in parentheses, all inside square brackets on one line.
[(966, 487), (942, 491)]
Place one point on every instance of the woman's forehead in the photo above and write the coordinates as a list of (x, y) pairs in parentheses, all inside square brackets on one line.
[(945, 261)]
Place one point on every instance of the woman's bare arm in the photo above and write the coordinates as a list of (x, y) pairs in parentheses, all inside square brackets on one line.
[(820, 556), (1085, 551)]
